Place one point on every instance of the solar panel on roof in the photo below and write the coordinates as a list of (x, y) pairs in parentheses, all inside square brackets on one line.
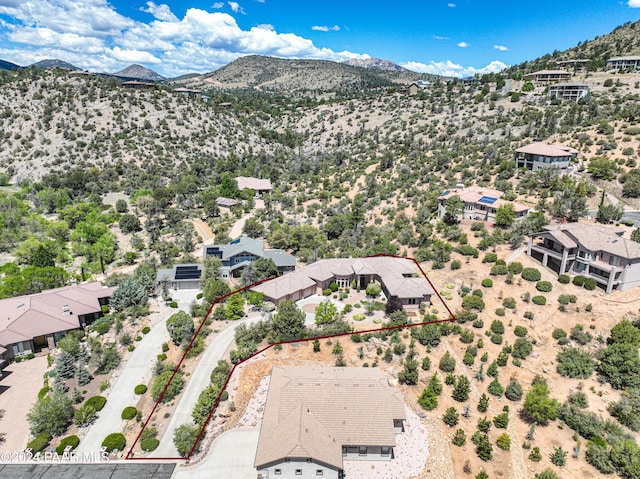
[(188, 272), (488, 200), (446, 192)]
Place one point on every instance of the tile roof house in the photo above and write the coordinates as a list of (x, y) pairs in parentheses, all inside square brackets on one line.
[(29, 323), (244, 250), (398, 277), (541, 155), (314, 419), (260, 185), (593, 251), (479, 203)]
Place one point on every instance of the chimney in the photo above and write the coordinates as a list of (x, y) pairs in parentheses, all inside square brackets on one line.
[(65, 310)]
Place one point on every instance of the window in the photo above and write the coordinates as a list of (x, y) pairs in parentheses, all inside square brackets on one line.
[(277, 472), (362, 451), (385, 450), (319, 472), (298, 472)]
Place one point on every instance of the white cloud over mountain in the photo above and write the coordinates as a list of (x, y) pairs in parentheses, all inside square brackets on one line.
[(450, 69)]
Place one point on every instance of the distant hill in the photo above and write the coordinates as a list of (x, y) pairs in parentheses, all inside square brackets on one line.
[(623, 40), (288, 76), (5, 65), (138, 72), (54, 63), (375, 64)]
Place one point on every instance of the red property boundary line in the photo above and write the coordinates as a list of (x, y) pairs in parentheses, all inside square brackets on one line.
[(129, 456)]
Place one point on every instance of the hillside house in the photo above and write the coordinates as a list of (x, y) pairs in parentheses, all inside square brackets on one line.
[(316, 417), (261, 186), (137, 85), (569, 91), (188, 92), (594, 251), (540, 155), (548, 76), (180, 276), (579, 65), (38, 321), (236, 255), (623, 63), (398, 277), (480, 203)]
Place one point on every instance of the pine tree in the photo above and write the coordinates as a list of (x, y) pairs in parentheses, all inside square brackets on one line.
[(83, 375), (451, 417), (65, 366), (483, 404), (461, 389)]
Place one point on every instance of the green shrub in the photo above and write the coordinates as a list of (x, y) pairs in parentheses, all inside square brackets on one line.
[(544, 286), (497, 326), (515, 267), (72, 441), (499, 270), (490, 258), (39, 442), (509, 303), (578, 280), (129, 413), (487, 282), (146, 330), (558, 333), (567, 298), (468, 250), (114, 441), (590, 284), (358, 317), (224, 396), (455, 264), (140, 389), (531, 274), (173, 304), (43, 392), (520, 331), (96, 402), (500, 312), (473, 302), (539, 300), (496, 338), (564, 279), (149, 444)]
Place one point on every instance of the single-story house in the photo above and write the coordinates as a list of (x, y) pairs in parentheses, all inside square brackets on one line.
[(316, 417), (578, 64), (594, 251), (548, 76), (226, 202), (260, 185), (541, 155), (137, 85), (623, 63), (180, 276), (188, 92), (479, 203), (398, 277), (236, 255), (30, 323), (569, 91)]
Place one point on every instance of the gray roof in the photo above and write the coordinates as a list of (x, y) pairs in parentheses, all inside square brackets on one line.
[(280, 257), (313, 411), (257, 184), (244, 244), (596, 238), (632, 58), (169, 274)]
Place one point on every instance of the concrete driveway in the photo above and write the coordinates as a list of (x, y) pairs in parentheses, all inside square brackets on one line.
[(231, 456), (199, 380), (138, 369)]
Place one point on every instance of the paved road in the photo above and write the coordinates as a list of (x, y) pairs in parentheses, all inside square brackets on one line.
[(231, 456), (199, 379), (137, 370)]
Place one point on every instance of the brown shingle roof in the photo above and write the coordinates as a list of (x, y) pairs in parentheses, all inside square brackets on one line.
[(245, 182), (542, 149), (313, 411)]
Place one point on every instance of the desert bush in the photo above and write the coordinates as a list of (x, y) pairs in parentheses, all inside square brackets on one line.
[(531, 274), (497, 326), (72, 441), (515, 267), (575, 363), (487, 282), (473, 302), (578, 280), (129, 413), (590, 284), (544, 286), (539, 300), (96, 402), (140, 389), (509, 303), (564, 279), (490, 258), (149, 444), (500, 312), (39, 442), (499, 270), (520, 331)]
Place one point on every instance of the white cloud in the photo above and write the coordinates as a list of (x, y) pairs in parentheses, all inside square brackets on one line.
[(438, 37), (451, 5), (634, 3), (217, 5), (450, 69), (161, 12), (502, 48), (325, 28), (236, 8), (463, 44), (92, 35)]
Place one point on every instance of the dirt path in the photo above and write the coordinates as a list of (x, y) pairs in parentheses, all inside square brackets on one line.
[(202, 229), (236, 229)]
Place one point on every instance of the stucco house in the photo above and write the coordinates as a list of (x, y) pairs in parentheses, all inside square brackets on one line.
[(623, 63), (31, 323), (569, 91), (261, 186), (236, 255), (538, 155), (315, 417), (594, 251), (479, 203), (398, 277), (548, 76)]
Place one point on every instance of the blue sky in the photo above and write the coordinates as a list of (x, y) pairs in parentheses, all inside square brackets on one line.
[(449, 37)]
